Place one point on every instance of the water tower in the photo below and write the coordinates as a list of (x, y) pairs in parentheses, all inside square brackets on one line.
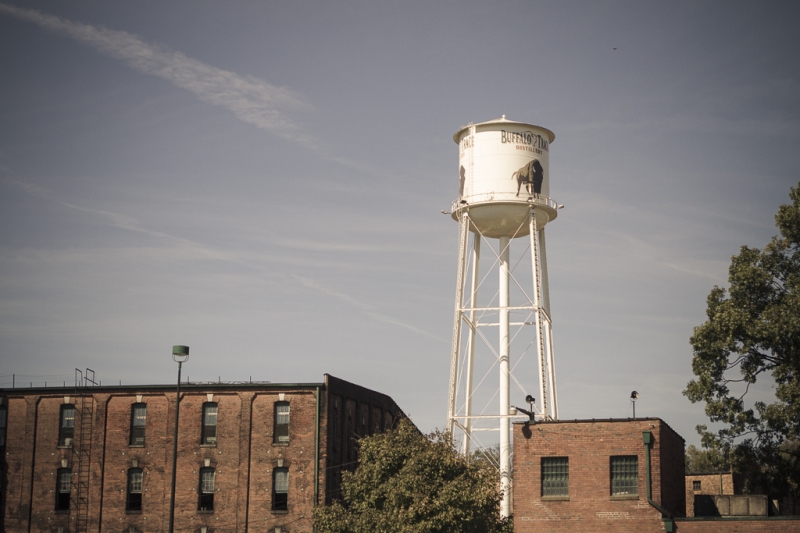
[(504, 196)]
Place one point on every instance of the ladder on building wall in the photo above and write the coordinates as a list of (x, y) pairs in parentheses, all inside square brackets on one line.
[(82, 452)]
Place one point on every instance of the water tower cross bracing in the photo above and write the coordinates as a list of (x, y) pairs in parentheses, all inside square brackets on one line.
[(504, 198)]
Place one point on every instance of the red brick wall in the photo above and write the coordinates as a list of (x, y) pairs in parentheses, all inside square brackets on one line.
[(244, 456), (297, 456), (589, 446), (20, 439), (729, 525), (709, 484), (672, 469)]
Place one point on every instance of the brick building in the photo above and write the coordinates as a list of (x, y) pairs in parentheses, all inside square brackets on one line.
[(251, 457), (591, 475), (617, 475), (710, 484)]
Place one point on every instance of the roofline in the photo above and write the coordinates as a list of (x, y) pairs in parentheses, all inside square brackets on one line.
[(596, 420), (593, 420), (192, 386)]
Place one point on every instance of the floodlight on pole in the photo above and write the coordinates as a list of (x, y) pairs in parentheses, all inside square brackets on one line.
[(180, 354)]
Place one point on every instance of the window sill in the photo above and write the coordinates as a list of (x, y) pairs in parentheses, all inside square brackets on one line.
[(135, 445), (62, 511), (205, 511), (555, 498), (130, 511), (208, 445), (280, 443), (64, 447), (280, 511), (624, 497)]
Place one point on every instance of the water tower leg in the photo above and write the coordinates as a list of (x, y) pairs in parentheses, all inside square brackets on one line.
[(473, 299), (545, 279), (505, 444), (552, 368), (456, 347), (550, 359), (538, 314)]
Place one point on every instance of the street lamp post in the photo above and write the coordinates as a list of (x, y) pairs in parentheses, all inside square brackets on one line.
[(180, 354)]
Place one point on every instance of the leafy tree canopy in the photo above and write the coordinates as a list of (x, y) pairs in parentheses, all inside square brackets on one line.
[(407, 482), (752, 333), (700, 461)]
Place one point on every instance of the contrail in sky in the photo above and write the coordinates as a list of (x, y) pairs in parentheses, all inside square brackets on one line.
[(249, 98)]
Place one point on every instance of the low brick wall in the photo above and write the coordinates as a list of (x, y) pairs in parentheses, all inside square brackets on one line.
[(736, 524), (730, 505)]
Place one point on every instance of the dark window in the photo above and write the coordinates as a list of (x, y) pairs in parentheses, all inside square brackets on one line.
[(280, 489), (209, 423), (135, 479), (66, 431), (335, 424), (206, 500), (281, 422), (348, 438), (555, 476), (624, 475), (63, 489), (138, 422), (696, 485), (376, 421), (3, 424)]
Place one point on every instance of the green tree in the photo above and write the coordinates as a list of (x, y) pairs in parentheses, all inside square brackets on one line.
[(752, 333), (407, 482), (701, 461)]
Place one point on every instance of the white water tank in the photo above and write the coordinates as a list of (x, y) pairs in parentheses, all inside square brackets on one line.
[(504, 168)]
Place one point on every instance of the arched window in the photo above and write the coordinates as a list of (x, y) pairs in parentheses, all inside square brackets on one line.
[(206, 500), (66, 429), (209, 435), (280, 489), (63, 488), (138, 423), (135, 482), (281, 422)]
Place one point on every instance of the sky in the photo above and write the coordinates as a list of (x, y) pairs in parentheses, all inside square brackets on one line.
[(264, 181)]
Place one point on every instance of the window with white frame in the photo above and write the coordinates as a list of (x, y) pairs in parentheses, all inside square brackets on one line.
[(206, 499), (66, 429), (138, 423), (209, 423), (135, 482), (63, 489), (281, 422), (280, 489)]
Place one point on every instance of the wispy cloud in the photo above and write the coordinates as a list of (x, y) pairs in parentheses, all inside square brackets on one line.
[(252, 100), (367, 309)]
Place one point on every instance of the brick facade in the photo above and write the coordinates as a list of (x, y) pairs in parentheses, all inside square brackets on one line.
[(590, 446), (243, 457), (707, 485), (589, 504)]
